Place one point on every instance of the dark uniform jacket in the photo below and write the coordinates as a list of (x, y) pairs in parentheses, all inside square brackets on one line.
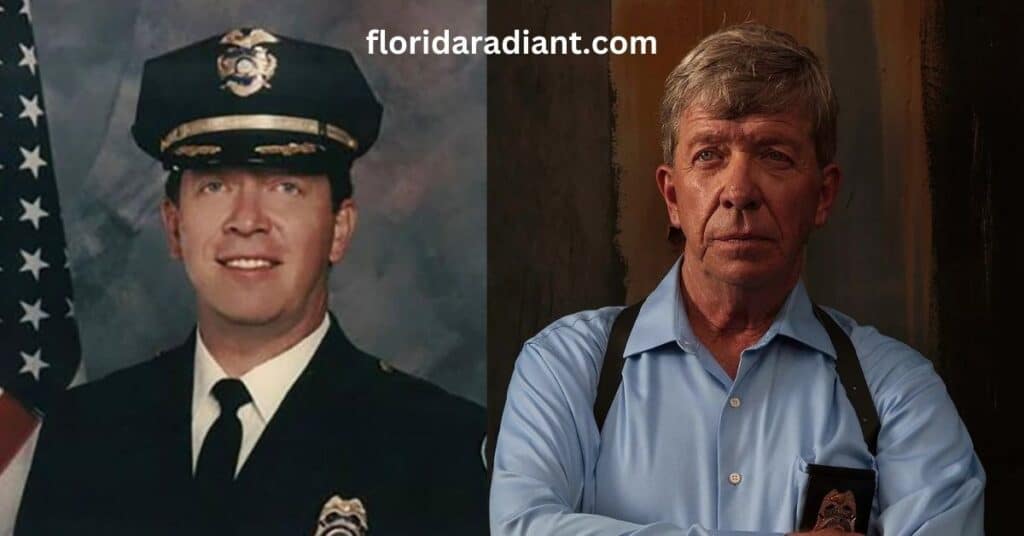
[(115, 456)]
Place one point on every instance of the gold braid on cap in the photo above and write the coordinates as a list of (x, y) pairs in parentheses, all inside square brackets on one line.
[(285, 123)]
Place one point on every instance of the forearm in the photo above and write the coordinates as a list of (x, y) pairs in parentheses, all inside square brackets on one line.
[(540, 467)]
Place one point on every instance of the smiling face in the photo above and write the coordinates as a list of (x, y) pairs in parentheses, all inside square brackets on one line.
[(746, 194), (257, 244)]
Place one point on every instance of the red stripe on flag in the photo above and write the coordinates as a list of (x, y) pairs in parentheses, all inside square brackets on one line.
[(18, 425)]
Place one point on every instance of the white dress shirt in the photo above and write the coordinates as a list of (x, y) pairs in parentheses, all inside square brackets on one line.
[(267, 383)]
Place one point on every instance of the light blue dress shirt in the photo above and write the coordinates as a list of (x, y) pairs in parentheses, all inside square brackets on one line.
[(687, 450)]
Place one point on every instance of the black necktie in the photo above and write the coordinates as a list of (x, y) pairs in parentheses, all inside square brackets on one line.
[(215, 470)]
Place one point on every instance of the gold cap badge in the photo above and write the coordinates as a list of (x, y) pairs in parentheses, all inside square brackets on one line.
[(246, 66)]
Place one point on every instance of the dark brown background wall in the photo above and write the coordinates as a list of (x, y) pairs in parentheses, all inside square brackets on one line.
[(921, 245), (551, 201), (972, 65)]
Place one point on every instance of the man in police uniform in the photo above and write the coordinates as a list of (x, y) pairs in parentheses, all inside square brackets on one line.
[(267, 420)]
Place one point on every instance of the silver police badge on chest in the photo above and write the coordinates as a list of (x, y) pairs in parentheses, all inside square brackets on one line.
[(246, 66), (342, 517)]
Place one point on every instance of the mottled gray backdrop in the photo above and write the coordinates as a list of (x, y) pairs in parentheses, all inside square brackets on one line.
[(411, 288)]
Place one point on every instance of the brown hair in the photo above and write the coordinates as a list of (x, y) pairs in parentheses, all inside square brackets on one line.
[(751, 69)]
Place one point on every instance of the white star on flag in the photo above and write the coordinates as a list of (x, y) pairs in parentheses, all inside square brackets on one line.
[(33, 212), (34, 363), (33, 263), (28, 58), (71, 308), (30, 109), (26, 9), (33, 313), (32, 161)]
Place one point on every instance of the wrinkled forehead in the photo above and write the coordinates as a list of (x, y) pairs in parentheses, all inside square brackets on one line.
[(699, 124)]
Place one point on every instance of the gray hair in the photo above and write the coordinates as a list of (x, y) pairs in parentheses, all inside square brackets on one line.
[(751, 69)]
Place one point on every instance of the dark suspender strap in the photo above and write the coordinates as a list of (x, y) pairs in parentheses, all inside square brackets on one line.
[(611, 368), (852, 378)]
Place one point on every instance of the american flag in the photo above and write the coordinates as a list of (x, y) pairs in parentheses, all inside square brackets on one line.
[(39, 346)]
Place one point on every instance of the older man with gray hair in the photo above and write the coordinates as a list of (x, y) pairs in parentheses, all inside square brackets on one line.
[(728, 402)]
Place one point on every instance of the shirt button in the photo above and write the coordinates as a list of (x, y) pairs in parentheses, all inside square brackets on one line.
[(734, 402), (735, 479)]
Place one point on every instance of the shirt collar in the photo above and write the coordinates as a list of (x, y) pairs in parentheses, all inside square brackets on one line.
[(663, 319), (269, 382), (796, 320)]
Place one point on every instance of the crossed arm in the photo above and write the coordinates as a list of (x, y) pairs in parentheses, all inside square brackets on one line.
[(930, 481)]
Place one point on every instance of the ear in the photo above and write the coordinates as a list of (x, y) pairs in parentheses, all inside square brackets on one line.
[(344, 227), (832, 180), (664, 176), (170, 214)]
